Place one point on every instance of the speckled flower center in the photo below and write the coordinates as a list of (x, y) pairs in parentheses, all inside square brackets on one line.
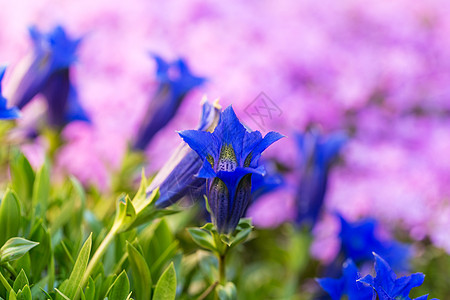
[(227, 159)]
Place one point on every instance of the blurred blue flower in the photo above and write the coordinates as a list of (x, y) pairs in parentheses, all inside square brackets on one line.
[(388, 286), (230, 156), (176, 178), (175, 81), (347, 284), (359, 240), (47, 73), (317, 153), (5, 112)]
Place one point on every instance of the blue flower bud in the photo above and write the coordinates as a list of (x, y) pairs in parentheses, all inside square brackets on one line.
[(47, 72), (175, 81)]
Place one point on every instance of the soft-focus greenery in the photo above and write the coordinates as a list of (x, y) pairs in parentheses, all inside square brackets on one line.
[(61, 241)]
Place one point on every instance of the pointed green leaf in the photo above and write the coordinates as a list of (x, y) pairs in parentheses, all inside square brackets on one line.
[(70, 287), (141, 274), (10, 217), (40, 256), (15, 248), (203, 238), (22, 176), (20, 281), (120, 289), (24, 294), (166, 288), (41, 190), (12, 295)]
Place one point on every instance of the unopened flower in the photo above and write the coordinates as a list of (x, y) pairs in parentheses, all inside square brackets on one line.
[(317, 153), (230, 156), (176, 178), (175, 81), (5, 112), (46, 71)]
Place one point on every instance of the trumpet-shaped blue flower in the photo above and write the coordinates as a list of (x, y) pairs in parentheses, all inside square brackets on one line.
[(317, 153), (175, 81), (359, 240), (5, 112), (47, 73), (347, 284), (388, 286), (176, 178), (230, 156)]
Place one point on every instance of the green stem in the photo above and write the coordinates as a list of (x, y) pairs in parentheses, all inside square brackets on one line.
[(10, 269), (5, 283), (208, 291), (222, 274)]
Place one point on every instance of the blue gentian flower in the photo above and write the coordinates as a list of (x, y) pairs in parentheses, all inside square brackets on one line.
[(176, 178), (358, 241), (230, 156), (5, 112), (317, 153), (347, 284), (388, 286), (48, 73), (175, 81)]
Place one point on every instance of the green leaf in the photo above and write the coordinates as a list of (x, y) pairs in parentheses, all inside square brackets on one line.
[(227, 292), (41, 190), (166, 287), (20, 281), (24, 294), (125, 214), (15, 248), (159, 245), (120, 289), (12, 295), (203, 238), (70, 287), (141, 273), (40, 256), (10, 217), (22, 176), (61, 295), (89, 292)]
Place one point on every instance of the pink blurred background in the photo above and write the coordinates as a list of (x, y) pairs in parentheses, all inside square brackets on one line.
[(377, 69)]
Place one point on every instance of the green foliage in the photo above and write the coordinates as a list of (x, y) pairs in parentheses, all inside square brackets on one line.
[(72, 285), (10, 216), (14, 249), (141, 274), (166, 287), (134, 250)]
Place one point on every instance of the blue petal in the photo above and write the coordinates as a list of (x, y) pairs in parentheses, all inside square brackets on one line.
[(268, 140), (240, 201), (202, 142), (385, 276), (230, 131), (334, 287)]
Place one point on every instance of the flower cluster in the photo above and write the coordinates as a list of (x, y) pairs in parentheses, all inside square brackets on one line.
[(230, 156)]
